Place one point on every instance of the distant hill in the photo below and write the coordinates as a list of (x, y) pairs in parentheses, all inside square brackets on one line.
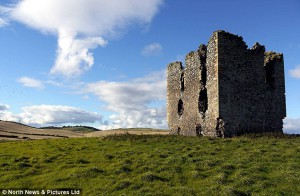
[(17, 131), (78, 128)]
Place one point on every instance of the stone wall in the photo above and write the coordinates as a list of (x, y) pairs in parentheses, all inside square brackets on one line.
[(226, 89), (174, 96)]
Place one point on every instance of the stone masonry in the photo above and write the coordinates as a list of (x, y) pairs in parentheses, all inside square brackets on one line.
[(226, 89)]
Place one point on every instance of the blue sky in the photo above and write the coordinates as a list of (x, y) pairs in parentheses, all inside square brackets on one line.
[(103, 62)]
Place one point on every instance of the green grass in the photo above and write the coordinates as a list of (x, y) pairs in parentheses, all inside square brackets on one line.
[(155, 165)]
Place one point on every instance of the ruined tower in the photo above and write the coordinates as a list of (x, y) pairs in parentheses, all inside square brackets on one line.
[(226, 89)]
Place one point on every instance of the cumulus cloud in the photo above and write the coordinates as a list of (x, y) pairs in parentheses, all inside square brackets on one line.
[(73, 55), (44, 115), (3, 107), (81, 25), (9, 116), (142, 117), (133, 102), (6, 115), (56, 115), (291, 125), (295, 73), (152, 49), (30, 82)]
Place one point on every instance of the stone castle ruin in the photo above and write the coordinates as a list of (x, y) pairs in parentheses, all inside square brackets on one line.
[(226, 89)]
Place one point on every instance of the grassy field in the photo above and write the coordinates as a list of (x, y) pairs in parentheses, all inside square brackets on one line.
[(154, 165)]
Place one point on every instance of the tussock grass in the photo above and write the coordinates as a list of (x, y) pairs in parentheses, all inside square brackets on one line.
[(155, 165)]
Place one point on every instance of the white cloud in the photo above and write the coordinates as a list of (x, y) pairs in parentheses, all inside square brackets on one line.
[(3, 107), (44, 115), (85, 97), (56, 115), (54, 83), (291, 125), (132, 102), (82, 25), (6, 115), (9, 116), (295, 73), (74, 56), (152, 49), (30, 82), (3, 16), (142, 117), (3, 22)]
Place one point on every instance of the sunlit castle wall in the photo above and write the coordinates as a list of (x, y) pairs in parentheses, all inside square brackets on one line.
[(226, 89)]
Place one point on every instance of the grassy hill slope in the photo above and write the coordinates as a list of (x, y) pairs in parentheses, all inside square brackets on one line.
[(18, 131), (154, 165), (10, 131), (78, 128)]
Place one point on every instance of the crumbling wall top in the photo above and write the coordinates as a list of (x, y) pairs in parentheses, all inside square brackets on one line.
[(258, 47), (273, 56), (175, 66)]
